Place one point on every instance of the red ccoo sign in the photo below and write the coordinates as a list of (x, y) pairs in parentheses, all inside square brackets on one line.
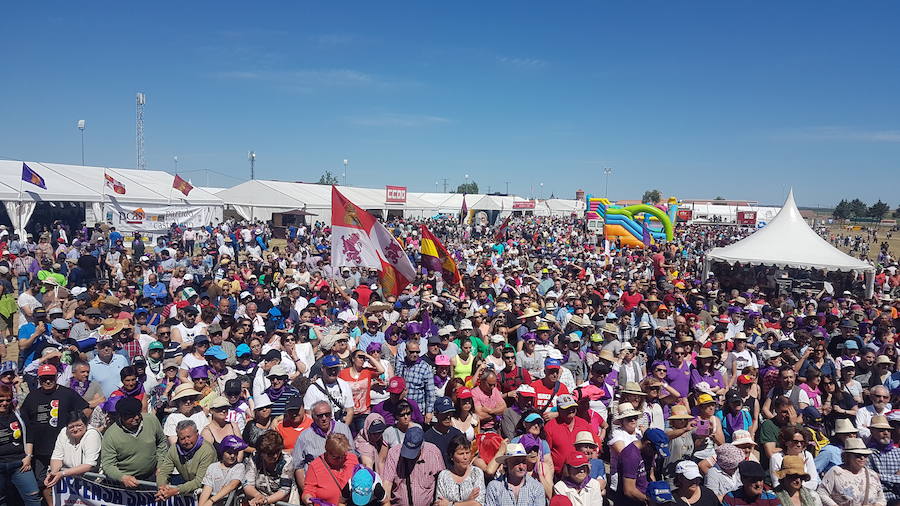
[(395, 194), (746, 217), (523, 204)]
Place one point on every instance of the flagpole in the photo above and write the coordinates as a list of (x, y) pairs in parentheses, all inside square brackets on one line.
[(20, 227), (102, 197)]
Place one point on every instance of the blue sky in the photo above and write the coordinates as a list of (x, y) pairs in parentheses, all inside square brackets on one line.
[(697, 99)]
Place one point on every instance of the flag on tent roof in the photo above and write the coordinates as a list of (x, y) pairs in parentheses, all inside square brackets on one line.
[(358, 240), (115, 184), (182, 185), (501, 232), (436, 258), (30, 176)]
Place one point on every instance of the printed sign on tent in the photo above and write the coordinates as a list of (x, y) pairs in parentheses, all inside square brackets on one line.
[(149, 219), (77, 491), (395, 194)]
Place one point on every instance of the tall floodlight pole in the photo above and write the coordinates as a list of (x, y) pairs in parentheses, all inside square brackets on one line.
[(252, 157), (140, 100), (346, 171), (175, 158), (607, 171), (81, 127)]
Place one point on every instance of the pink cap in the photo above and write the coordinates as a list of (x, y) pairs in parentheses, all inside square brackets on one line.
[(442, 360)]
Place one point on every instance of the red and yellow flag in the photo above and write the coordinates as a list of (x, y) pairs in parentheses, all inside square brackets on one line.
[(436, 258), (182, 185)]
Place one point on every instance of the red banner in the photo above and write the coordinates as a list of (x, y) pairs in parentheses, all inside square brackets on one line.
[(746, 217), (523, 204), (685, 214), (395, 194)]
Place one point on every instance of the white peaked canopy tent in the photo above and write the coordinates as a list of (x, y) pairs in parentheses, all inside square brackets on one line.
[(787, 241)]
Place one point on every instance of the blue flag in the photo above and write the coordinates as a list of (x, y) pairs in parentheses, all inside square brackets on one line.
[(30, 176)]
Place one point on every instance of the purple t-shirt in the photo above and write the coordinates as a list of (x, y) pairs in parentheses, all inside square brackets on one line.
[(679, 378), (629, 464), (714, 380)]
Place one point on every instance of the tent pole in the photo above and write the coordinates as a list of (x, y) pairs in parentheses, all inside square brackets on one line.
[(19, 225)]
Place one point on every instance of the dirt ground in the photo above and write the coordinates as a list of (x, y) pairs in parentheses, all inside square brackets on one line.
[(883, 233)]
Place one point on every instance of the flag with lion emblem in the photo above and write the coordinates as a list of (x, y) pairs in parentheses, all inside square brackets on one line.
[(359, 240)]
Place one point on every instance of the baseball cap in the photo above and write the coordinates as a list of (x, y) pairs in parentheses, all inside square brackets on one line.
[(526, 390), (752, 470), (463, 393), (232, 443), (688, 469), (576, 459), (46, 370), (331, 361), (660, 441), (441, 360), (533, 417), (295, 402), (362, 486), (242, 349), (201, 371), (412, 443), (272, 355), (443, 405), (745, 379), (660, 492), (565, 401), (216, 352), (552, 363), (396, 385), (60, 324), (156, 345)]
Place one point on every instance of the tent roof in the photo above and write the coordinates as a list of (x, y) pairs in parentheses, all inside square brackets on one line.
[(285, 194), (787, 241), (76, 183)]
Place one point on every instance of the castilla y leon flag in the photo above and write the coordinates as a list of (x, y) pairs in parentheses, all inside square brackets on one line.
[(30, 176), (115, 184), (464, 211), (182, 185), (358, 240), (501, 232), (436, 258)]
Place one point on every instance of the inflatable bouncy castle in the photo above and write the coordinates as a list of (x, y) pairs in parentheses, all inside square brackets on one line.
[(636, 226)]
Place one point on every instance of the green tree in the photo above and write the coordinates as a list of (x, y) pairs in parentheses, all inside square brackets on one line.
[(897, 212), (879, 209), (651, 197), (328, 178), (858, 209), (719, 198), (842, 210), (468, 188)]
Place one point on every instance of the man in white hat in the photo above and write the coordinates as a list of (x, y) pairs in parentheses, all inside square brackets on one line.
[(517, 486)]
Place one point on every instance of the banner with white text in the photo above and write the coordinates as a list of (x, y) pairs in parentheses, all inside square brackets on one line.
[(155, 219), (72, 491)]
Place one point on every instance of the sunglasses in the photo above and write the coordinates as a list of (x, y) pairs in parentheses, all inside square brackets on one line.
[(326, 414)]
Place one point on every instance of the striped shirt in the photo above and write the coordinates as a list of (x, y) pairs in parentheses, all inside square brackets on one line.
[(499, 493), (422, 478)]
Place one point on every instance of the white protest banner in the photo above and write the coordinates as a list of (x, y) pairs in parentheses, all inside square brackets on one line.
[(151, 219), (71, 491)]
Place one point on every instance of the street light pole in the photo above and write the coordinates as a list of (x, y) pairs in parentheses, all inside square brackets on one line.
[(607, 171), (346, 170), (81, 127), (252, 157)]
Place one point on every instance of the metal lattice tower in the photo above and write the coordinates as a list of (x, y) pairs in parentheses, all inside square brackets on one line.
[(141, 99)]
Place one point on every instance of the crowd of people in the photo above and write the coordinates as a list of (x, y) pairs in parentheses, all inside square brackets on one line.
[(558, 371)]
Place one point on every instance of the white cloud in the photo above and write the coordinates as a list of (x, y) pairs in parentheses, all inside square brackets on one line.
[(835, 133), (397, 120), (523, 63)]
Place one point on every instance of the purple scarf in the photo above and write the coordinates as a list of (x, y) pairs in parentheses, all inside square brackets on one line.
[(79, 387), (577, 486), (322, 433), (275, 394), (439, 382), (186, 455), (138, 390)]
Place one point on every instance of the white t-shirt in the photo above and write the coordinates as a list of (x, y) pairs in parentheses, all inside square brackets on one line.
[(26, 300), (742, 359), (190, 361), (199, 418), (340, 391), (188, 334)]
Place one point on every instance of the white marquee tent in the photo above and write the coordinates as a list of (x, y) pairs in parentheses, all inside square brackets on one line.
[(76, 183), (787, 241)]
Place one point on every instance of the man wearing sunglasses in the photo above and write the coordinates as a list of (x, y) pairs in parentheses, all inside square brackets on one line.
[(332, 390), (45, 412), (311, 442)]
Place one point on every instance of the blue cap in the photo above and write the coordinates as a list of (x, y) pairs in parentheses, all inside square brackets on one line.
[(362, 486), (851, 344), (216, 352), (412, 443), (242, 349), (660, 441), (443, 405), (9, 367), (659, 492), (331, 361), (552, 362), (533, 417), (811, 413), (140, 310)]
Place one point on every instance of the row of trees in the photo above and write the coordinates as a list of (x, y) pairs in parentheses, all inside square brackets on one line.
[(856, 208)]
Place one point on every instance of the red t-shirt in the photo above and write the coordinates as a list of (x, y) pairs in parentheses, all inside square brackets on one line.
[(290, 434), (630, 302), (544, 393), (562, 440)]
